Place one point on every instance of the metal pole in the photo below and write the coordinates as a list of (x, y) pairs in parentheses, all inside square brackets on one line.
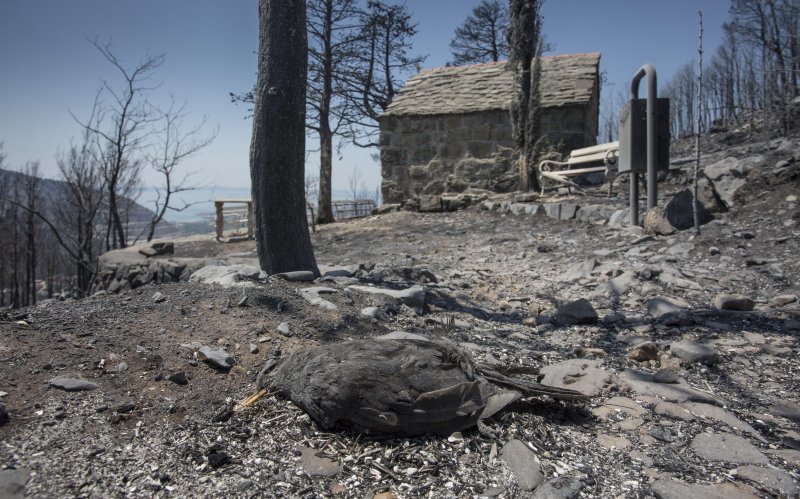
[(634, 198), (652, 136)]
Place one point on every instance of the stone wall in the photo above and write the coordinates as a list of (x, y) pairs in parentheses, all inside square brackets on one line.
[(432, 154)]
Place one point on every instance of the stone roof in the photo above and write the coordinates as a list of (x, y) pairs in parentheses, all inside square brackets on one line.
[(566, 79)]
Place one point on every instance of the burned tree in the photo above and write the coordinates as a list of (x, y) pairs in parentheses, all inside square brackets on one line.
[(383, 55), (483, 35), (525, 44), (277, 150), (172, 145), (332, 35)]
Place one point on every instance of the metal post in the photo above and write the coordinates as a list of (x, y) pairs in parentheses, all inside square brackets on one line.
[(634, 202), (219, 221), (652, 135)]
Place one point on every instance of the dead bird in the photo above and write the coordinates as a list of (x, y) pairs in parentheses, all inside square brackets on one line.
[(400, 384)]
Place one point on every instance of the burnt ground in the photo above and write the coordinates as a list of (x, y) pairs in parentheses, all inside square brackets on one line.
[(492, 281)]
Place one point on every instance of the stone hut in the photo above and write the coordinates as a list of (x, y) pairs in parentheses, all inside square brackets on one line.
[(449, 129)]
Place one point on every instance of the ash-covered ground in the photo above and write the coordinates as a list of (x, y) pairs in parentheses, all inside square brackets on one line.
[(688, 345)]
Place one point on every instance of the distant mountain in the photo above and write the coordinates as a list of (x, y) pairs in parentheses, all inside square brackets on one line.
[(50, 191)]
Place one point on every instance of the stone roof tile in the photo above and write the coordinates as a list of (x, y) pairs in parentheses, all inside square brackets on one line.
[(566, 79)]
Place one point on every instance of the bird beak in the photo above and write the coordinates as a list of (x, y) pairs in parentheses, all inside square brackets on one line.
[(252, 399)]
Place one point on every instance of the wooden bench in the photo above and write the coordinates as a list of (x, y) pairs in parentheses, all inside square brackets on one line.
[(239, 211), (559, 171)]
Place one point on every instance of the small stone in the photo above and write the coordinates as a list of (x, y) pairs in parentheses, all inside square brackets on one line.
[(253, 348), (777, 481), (314, 465), (120, 368), (283, 328), (72, 383), (12, 483), (673, 411), (179, 378), (159, 297), (522, 462), (643, 352), (666, 376), (727, 448), (218, 459), (666, 488), (376, 313), (216, 357), (297, 276), (529, 321), (692, 352), (579, 311), (783, 300), (613, 442), (734, 302), (583, 375), (563, 487), (312, 296), (713, 250), (663, 305), (125, 408), (456, 438)]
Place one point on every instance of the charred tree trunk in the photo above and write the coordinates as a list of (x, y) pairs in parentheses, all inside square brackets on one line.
[(324, 208), (277, 150)]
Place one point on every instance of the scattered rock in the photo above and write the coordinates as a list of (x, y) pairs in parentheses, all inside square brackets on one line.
[(582, 375), (720, 414), (376, 313), (72, 383), (314, 465), (155, 249), (666, 488), (789, 410), (311, 295), (673, 411), (159, 297), (218, 458), (579, 311), (642, 383), (663, 305), (284, 329), (666, 376), (522, 462), (179, 378), (643, 352), (692, 352), (216, 357), (679, 211), (783, 300), (655, 222), (413, 296), (240, 275), (776, 481), (729, 175), (563, 487), (728, 448), (430, 203), (297, 276), (734, 302), (12, 483), (613, 442)]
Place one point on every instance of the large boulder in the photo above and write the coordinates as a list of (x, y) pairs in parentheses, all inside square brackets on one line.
[(679, 211), (729, 175)]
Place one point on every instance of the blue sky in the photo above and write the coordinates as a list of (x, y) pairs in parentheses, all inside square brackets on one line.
[(47, 68)]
